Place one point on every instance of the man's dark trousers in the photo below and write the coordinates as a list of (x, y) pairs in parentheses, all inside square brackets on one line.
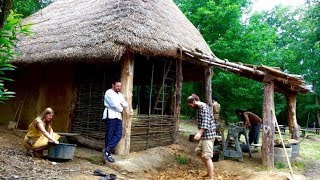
[(254, 134), (113, 133)]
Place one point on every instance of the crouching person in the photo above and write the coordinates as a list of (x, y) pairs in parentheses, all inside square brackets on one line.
[(206, 133), (40, 133)]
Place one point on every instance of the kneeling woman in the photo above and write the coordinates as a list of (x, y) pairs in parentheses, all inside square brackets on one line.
[(39, 133)]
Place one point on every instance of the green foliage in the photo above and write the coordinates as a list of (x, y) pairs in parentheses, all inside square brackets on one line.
[(234, 92), (28, 7), (8, 38), (282, 37), (280, 165), (189, 88), (182, 160), (213, 17), (299, 165)]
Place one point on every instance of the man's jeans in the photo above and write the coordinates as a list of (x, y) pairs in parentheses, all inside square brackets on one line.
[(113, 133), (254, 133)]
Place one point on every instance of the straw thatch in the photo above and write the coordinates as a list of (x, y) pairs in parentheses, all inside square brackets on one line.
[(91, 30)]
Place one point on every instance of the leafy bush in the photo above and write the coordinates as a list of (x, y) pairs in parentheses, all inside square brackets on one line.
[(280, 165), (299, 165), (8, 40), (182, 160)]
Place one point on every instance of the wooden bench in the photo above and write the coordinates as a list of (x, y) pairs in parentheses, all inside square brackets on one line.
[(313, 130), (282, 129), (256, 145)]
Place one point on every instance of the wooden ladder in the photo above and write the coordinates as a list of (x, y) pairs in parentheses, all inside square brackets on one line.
[(165, 88)]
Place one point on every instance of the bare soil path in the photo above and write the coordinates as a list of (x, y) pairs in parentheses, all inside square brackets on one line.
[(156, 163)]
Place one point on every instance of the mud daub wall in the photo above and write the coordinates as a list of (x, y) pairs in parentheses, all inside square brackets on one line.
[(38, 86), (151, 131)]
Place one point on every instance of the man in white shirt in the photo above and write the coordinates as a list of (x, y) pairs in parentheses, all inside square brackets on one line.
[(114, 103)]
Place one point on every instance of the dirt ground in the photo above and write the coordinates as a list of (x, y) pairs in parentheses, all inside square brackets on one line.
[(156, 163)]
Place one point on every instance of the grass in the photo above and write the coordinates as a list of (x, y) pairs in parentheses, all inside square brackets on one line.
[(299, 165), (185, 118), (188, 126), (309, 148), (182, 160), (280, 165)]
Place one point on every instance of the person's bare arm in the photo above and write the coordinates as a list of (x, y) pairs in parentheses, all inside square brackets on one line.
[(246, 122), (50, 130), (198, 135), (45, 133)]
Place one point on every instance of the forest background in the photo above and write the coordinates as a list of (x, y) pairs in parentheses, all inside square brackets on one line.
[(284, 37)]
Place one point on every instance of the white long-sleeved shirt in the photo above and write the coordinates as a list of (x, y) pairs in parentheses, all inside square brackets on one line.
[(114, 104)]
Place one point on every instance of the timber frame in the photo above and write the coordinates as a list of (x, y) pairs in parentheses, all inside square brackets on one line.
[(274, 80)]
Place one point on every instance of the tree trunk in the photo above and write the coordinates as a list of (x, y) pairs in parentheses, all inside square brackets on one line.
[(268, 124), (127, 71), (88, 142), (207, 82), (316, 99), (5, 6), (291, 115), (177, 99)]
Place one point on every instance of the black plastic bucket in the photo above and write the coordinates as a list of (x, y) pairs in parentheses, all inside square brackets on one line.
[(61, 151), (216, 154)]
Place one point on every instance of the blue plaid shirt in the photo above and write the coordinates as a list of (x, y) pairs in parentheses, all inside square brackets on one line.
[(206, 121)]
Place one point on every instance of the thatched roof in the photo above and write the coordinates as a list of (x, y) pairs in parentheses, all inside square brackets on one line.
[(91, 30)]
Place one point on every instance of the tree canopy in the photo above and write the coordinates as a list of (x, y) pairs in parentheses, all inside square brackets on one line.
[(282, 37)]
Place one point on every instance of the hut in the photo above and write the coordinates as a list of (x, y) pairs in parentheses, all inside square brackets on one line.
[(79, 47)]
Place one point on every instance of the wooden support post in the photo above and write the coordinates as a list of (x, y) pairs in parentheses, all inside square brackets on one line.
[(127, 71), (207, 82), (268, 124), (291, 115), (316, 100), (177, 99)]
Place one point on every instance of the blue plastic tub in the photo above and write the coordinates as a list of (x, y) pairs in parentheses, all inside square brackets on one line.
[(61, 151)]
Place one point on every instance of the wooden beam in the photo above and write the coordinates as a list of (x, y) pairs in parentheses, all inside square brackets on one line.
[(290, 81), (88, 142), (177, 99), (291, 115), (268, 124), (127, 71), (207, 81)]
